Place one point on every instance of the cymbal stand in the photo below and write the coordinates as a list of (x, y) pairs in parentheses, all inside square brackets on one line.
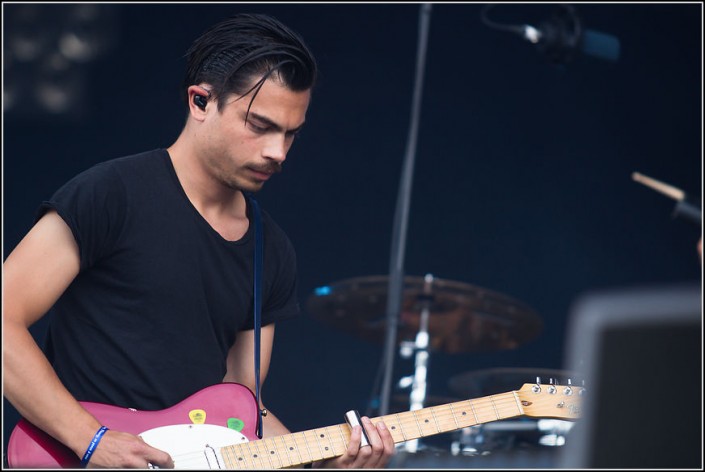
[(401, 215), (418, 387)]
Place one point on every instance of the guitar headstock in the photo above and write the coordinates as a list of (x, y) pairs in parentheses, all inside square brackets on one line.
[(551, 401)]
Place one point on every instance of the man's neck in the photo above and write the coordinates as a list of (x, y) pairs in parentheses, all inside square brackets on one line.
[(224, 208)]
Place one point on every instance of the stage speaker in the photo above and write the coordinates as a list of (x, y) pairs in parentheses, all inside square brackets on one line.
[(639, 353)]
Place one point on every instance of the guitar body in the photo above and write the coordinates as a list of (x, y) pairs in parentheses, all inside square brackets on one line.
[(217, 405)]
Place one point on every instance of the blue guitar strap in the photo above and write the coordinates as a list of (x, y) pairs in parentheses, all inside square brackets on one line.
[(259, 251)]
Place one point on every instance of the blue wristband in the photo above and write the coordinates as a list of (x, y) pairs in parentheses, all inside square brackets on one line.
[(93, 445)]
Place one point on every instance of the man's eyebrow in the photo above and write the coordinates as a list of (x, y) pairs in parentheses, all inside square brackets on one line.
[(272, 124)]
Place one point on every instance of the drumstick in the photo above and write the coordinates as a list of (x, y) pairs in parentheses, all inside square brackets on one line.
[(668, 190)]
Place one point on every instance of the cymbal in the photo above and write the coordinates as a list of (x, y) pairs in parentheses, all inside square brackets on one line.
[(463, 317), (479, 383)]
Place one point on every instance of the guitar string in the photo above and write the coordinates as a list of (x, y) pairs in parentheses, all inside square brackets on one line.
[(496, 406), (505, 406)]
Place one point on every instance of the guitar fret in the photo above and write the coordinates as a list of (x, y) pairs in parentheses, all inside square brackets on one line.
[(495, 407), (224, 453), (435, 420), (516, 399), (345, 432), (255, 454), (272, 452), (329, 436), (293, 446), (423, 418), (474, 413), (269, 453), (247, 455), (251, 455), (301, 450), (446, 418), (227, 453), (239, 455), (401, 427), (413, 413), (452, 413), (326, 451), (342, 438), (511, 406), (315, 438), (488, 410), (237, 458), (308, 449), (330, 450), (286, 449), (407, 421), (262, 453), (485, 410)]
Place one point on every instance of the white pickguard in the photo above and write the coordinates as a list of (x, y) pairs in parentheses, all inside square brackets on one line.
[(193, 446)]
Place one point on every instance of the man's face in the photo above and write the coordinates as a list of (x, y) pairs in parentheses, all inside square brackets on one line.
[(242, 154)]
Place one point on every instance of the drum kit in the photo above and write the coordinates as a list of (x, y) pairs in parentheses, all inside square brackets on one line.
[(450, 317)]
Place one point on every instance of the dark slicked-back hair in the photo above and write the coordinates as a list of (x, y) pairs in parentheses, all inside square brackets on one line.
[(246, 47)]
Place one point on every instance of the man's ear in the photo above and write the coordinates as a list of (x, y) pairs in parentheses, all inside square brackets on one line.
[(198, 99)]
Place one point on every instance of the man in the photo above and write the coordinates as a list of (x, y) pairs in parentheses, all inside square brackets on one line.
[(147, 259)]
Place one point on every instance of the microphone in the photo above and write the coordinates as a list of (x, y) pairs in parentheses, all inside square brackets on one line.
[(562, 36)]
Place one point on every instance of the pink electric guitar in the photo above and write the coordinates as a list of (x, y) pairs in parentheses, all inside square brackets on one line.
[(215, 428)]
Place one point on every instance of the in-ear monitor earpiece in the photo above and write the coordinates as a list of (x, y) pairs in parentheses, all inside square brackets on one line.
[(200, 101)]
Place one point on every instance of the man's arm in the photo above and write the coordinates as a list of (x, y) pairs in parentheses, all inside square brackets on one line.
[(35, 275), (241, 369), (240, 365)]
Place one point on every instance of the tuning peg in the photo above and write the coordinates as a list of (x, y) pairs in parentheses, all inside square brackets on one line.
[(537, 388), (568, 390), (552, 389), (582, 390)]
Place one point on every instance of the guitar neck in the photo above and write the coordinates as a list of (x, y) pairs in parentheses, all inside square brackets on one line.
[(332, 441)]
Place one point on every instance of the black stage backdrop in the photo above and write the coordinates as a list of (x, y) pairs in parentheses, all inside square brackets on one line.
[(523, 173)]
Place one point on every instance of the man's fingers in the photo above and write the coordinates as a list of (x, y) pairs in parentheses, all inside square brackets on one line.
[(368, 455), (388, 442), (159, 458), (123, 450)]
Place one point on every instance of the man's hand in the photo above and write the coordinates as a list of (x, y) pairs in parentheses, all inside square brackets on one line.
[(118, 450), (374, 456)]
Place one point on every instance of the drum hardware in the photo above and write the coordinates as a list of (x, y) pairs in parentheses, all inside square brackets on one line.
[(418, 385), (504, 435), (555, 431)]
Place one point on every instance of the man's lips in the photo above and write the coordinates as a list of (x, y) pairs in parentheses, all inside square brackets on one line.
[(265, 172)]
